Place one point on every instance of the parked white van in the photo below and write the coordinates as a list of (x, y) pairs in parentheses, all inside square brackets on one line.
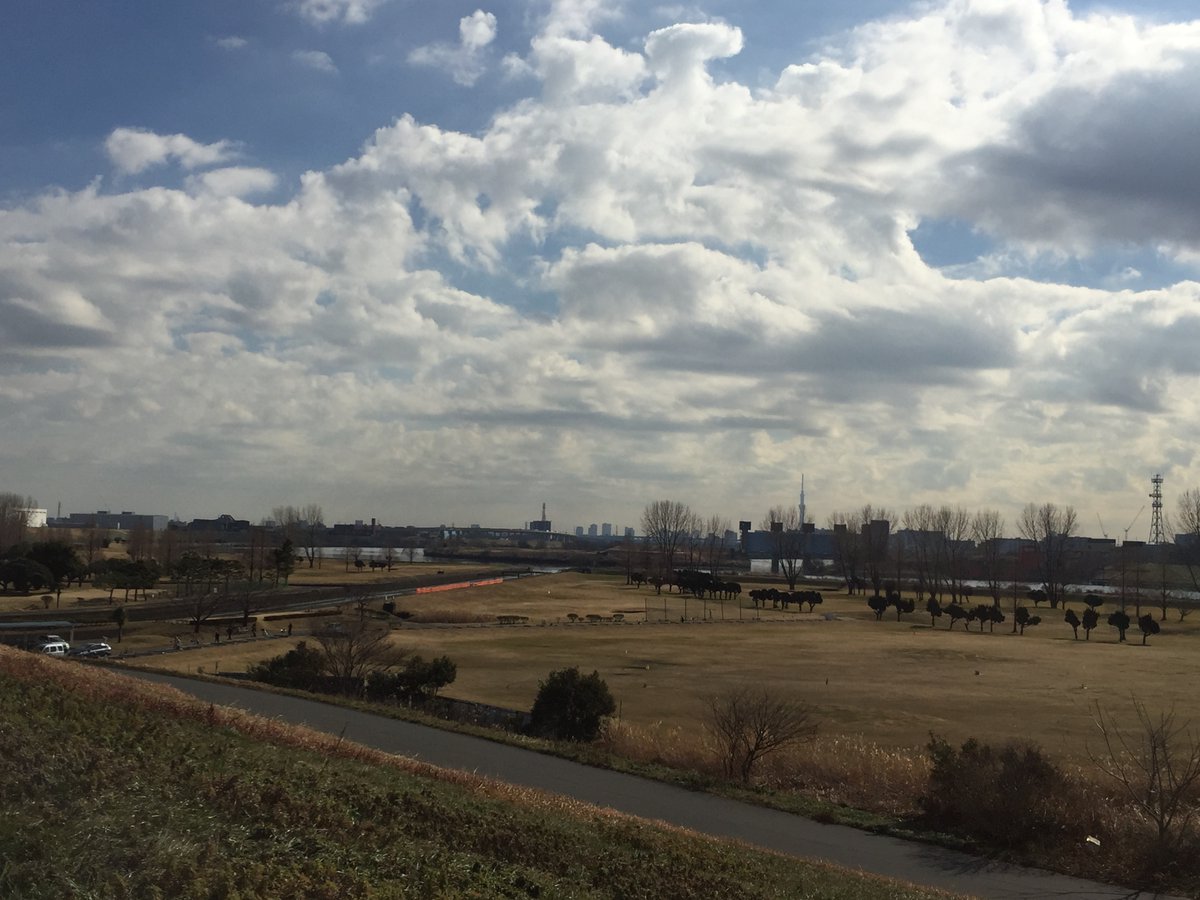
[(55, 648)]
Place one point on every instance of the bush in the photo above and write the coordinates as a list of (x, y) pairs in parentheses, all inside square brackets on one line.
[(301, 668), (1012, 797), (419, 680), (570, 706)]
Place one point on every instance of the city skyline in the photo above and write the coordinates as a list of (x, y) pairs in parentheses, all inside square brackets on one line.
[(445, 262)]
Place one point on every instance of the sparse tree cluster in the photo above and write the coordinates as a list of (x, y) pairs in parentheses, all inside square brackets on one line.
[(788, 542), (1049, 528), (301, 527), (669, 527), (14, 519), (358, 660)]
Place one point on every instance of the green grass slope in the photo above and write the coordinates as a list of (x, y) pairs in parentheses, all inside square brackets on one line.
[(112, 788)]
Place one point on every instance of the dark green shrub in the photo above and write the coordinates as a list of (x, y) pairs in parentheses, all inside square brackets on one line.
[(417, 681), (1009, 797), (300, 668), (570, 706)]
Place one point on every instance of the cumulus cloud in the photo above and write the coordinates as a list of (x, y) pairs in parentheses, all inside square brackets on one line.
[(578, 18), (232, 42), (671, 275), (681, 51), (351, 12), (464, 60), (134, 150), (315, 59)]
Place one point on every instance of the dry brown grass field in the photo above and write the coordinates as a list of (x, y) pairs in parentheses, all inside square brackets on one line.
[(890, 683), (330, 572), (334, 571)]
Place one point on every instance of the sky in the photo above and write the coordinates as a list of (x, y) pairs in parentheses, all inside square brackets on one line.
[(441, 262)]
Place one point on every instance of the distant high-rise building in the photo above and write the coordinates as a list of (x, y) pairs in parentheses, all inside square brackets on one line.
[(628, 532), (592, 529), (606, 529), (578, 531)]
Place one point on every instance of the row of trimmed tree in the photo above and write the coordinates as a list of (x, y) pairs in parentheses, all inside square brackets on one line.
[(991, 615)]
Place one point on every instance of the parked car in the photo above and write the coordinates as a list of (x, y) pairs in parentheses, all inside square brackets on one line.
[(54, 648), (96, 648)]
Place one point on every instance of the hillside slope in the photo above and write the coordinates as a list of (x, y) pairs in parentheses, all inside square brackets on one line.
[(112, 788)]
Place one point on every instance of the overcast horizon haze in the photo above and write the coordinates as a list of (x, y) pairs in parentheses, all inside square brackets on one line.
[(444, 262)]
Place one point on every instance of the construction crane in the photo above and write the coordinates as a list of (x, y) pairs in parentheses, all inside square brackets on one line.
[(1102, 531), (1134, 521)]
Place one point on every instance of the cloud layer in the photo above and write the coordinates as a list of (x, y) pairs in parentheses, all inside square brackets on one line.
[(641, 281)]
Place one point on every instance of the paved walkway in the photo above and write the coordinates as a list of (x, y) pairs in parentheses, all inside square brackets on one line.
[(905, 860)]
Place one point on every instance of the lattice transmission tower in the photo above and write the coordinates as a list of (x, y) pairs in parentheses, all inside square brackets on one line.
[(1158, 532)]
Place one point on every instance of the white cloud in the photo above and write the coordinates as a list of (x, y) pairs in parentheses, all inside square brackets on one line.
[(464, 60), (673, 276), (350, 12), (578, 18), (233, 181), (477, 30), (681, 51), (577, 71), (232, 42), (315, 59), (134, 150)]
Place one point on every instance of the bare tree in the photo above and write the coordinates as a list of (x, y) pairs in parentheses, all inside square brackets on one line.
[(715, 528), (749, 724), (787, 542), (847, 547), (954, 525), (926, 549), (1050, 528), (668, 526), (141, 542), (874, 526), (1156, 764), (165, 548), (861, 539), (202, 606), (1187, 524), (350, 654), (312, 528), (14, 519), (987, 530)]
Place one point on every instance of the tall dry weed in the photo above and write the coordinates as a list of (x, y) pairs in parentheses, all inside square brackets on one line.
[(851, 771), (847, 771), (659, 744)]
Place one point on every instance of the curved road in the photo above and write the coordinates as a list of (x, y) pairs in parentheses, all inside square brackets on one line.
[(908, 861)]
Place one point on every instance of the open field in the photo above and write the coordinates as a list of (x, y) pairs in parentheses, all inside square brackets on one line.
[(888, 682)]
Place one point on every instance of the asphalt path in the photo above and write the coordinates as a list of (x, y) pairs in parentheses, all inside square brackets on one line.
[(909, 861)]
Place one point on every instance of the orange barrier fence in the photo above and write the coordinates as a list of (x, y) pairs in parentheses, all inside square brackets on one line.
[(459, 584)]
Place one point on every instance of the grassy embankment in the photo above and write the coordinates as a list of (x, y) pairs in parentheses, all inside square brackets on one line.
[(117, 789)]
